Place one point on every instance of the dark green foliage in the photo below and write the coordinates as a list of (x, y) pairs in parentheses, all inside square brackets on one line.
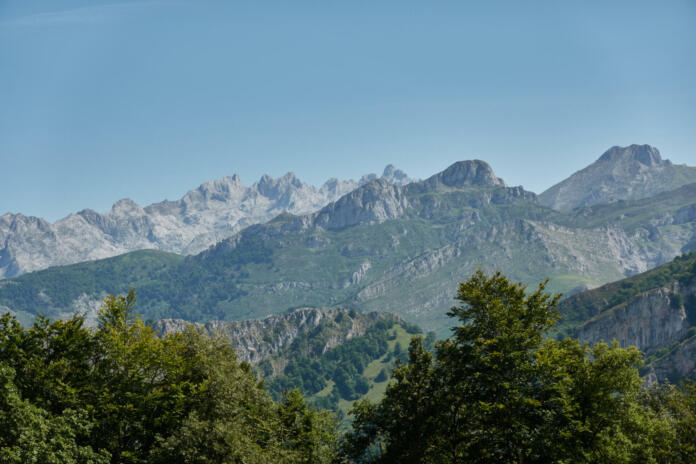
[(399, 353), (310, 370), (690, 308), (32, 435), (382, 376), (412, 329), (429, 342), (498, 391), (120, 394), (64, 284)]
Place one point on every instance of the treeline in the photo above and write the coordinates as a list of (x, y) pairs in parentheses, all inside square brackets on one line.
[(120, 394), (497, 390)]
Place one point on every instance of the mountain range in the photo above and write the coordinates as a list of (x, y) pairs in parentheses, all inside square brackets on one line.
[(385, 247), (202, 217)]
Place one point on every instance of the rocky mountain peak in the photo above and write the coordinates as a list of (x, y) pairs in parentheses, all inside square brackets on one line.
[(126, 207), (374, 202), (395, 176), (468, 173), (218, 190), (644, 154), (367, 178), (233, 180), (268, 186), (19, 223), (621, 173)]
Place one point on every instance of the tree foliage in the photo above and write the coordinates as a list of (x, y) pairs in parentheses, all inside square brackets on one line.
[(498, 391), (120, 394)]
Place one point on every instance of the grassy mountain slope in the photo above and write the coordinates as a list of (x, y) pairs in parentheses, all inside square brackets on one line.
[(384, 248)]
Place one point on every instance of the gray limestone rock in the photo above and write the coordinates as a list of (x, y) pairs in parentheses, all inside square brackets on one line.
[(260, 339), (202, 217), (621, 173)]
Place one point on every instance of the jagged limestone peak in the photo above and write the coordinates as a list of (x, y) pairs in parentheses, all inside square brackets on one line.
[(126, 207), (213, 211), (395, 176)]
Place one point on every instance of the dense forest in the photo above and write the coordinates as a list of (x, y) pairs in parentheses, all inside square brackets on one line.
[(497, 390)]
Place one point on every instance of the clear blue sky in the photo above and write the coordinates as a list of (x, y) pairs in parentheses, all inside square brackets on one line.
[(147, 99)]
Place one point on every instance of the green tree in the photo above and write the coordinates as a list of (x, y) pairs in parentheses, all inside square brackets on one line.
[(121, 394), (497, 391), (594, 401), (678, 406), (310, 431), (31, 435)]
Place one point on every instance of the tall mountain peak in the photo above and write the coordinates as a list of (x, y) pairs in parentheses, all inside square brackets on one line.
[(126, 207), (395, 176), (621, 173), (469, 173), (644, 154)]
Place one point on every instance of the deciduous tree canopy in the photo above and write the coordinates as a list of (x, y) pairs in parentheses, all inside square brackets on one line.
[(120, 394), (498, 391)]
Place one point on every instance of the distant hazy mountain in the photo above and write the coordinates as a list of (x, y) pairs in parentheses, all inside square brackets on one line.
[(203, 217), (381, 247), (621, 173)]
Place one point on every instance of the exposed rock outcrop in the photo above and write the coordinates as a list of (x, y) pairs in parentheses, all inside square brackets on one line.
[(650, 321), (621, 173), (678, 363), (256, 340), (374, 202), (470, 173), (659, 322)]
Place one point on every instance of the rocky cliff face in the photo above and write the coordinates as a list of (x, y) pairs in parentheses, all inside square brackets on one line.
[(204, 216), (659, 322), (374, 202), (650, 321), (621, 173), (257, 340), (677, 364)]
